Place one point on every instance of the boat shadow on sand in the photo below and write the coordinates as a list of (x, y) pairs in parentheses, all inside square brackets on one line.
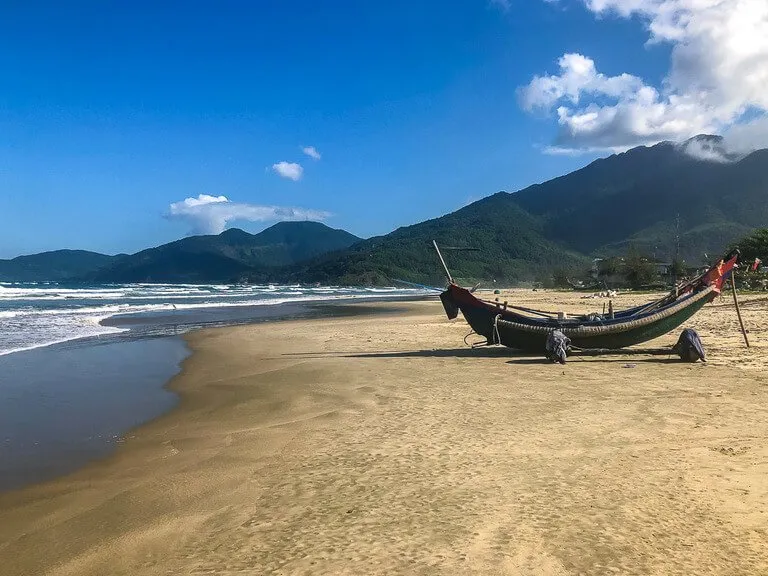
[(627, 356), (433, 353)]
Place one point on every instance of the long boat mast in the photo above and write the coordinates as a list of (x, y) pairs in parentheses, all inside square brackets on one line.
[(447, 272)]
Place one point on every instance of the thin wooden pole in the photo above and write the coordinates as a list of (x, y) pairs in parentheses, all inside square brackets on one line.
[(738, 310), (447, 272)]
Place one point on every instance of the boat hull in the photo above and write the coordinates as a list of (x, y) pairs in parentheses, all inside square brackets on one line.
[(500, 326)]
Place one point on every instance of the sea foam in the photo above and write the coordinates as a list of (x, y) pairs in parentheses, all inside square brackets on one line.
[(41, 314)]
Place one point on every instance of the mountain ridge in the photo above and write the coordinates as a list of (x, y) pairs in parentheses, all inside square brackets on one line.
[(227, 256), (650, 198), (53, 265), (645, 198), (631, 193)]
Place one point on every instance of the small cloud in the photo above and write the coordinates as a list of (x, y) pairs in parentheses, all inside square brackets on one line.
[(289, 170), (312, 152), (203, 199), (501, 4), (573, 152), (211, 214)]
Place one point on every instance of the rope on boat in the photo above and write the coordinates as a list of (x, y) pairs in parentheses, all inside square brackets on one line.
[(605, 329), (476, 344), (496, 335)]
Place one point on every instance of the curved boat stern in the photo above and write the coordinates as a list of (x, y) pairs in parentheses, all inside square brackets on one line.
[(449, 304)]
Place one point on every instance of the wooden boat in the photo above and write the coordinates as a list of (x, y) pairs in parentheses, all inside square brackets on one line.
[(527, 329)]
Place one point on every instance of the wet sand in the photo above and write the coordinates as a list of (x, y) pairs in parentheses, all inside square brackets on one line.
[(382, 445), (64, 406)]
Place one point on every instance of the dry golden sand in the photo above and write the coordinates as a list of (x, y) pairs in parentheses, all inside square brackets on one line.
[(381, 445)]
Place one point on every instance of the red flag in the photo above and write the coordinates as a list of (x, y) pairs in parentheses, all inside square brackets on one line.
[(756, 264), (718, 274)]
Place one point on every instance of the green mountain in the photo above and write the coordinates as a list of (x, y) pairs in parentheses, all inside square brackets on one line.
[(649, 198), (510, 244), (53, 266), (227, 256), (644, 198)]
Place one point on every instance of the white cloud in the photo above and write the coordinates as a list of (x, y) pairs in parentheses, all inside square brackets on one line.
[(578, 76), (707, 149), (312, 152), (289, 170), (716, 78), (211, 214), (202, 200)]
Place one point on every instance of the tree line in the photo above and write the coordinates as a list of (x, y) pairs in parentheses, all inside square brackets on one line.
[(637, 270)]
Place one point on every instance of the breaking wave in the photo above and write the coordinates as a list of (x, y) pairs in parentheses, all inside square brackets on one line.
[(42, 314)]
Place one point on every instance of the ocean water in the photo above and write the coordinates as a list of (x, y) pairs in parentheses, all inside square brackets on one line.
[(80, 366), (34, 315)]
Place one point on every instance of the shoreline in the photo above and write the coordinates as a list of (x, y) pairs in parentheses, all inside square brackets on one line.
[(64, 407), (351, 445), (40, 456), (123, 324)]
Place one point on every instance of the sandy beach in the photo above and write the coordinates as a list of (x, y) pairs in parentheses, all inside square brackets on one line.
[(381, 444)]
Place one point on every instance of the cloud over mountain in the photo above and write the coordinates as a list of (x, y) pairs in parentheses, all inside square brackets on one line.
[(211, 214), (715, 82)]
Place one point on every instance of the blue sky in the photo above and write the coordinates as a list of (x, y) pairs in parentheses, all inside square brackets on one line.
[(112, 114)]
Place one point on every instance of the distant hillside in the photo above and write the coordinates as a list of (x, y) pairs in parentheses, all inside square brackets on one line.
[(510, 247), (290, 242), (228, 256), (634, 198), (53, 266), (642, 198), (645, 198)]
